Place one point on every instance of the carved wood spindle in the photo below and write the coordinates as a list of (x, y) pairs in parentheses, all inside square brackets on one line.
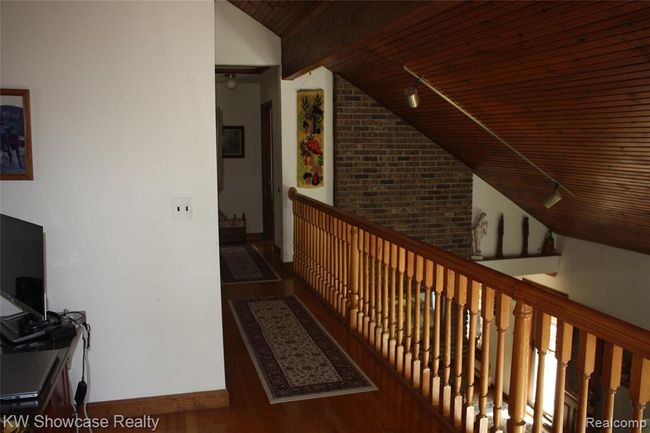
[(518, 395), (319, 254), (385, 334), (364, 318), (346, 236), (392, 344), (337, 265), (502, 322), (473, 303), (379, 330), (446, 373), (435, 366), (542, 341), (373, 290), (417, 366), (487, 314), (426, 338), (408, 330), (401, 271), (353, 279), (639, 389), (586, 363), (461, 301), (331, 258), (612, 364), (563, 343)]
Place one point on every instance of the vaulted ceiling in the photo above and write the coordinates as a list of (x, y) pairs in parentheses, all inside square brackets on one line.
[(566, 83)]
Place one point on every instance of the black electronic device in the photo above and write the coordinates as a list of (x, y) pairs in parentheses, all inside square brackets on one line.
[(22, 278)]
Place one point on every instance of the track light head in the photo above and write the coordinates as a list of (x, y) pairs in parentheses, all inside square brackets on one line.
[(553, 198), (412, 97)]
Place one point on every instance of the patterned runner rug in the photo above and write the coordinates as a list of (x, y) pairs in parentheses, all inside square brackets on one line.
[(244, 264), (295, 358)]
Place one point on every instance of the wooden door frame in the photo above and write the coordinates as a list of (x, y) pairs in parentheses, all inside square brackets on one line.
[(268, 211)]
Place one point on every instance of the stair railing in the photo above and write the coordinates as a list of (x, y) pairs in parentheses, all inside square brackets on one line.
[(423, 308)]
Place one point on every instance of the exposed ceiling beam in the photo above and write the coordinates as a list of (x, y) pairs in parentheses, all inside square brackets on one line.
[(344, 27)]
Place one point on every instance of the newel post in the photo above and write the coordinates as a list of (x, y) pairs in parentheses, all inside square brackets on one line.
[(353, 278), (519, 372)]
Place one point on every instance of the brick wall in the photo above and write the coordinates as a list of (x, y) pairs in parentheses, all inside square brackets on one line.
[(391, 174)]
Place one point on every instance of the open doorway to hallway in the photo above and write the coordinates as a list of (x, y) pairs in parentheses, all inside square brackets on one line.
[(246, 99)]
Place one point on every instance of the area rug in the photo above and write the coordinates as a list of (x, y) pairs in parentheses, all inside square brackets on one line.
[(244, 264), (295, 358)]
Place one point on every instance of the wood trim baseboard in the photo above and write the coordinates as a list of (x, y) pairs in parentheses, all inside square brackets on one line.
[(161, 405), (254, 237)]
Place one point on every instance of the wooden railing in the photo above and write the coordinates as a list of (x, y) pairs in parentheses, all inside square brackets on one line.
[(422, 309)]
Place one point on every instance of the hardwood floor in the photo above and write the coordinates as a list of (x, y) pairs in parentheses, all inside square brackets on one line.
[(393, 408)]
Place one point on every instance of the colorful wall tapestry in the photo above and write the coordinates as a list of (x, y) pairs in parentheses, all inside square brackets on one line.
[(310, 115)]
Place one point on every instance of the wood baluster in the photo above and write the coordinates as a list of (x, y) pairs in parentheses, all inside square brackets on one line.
[(487, 314), (408, 332), (353, 279), (461, 300), (586, 362), (330, 262), (310, 247), (392, 344), (563, 343), (437, 311), (317, 253), (373, 292), (379, 330), (502, 322), (426, 338), (322, 253), (361, 282), (474, 298), (345, 268), (446, 373), (417, 365), (366, 284), (542, 341), (296, 238), (401, 270), (518, 395), (612, 364), (639, 389), (385, 260), (337, 264)]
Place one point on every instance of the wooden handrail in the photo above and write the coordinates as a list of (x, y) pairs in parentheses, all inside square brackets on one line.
[(630, 337)]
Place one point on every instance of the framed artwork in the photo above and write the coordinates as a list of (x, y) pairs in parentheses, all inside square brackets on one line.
[(15, 135), (310, 115), (233, 141)]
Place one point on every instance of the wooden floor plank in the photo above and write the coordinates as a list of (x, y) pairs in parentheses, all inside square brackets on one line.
[(393, 408)]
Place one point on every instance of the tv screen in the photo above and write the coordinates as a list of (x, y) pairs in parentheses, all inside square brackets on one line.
[(22, 264)]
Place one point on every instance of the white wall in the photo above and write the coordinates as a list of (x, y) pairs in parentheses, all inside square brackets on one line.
[(242, 179), (611, 280), (320, 78), (241, 40), (489, 200), (270, 91), (123, 119)]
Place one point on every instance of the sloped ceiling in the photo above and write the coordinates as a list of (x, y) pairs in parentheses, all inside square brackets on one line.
[(566, 83)]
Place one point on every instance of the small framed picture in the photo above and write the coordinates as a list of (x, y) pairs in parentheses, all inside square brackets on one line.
[(233, 141), (15, 135)]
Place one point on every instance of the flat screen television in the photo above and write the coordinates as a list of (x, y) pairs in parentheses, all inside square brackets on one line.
[(22, 265)]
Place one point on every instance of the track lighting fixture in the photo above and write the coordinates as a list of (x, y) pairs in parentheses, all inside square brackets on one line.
[(411, 94), (231, 83), (553, 198), (549, 202), (412, 97)]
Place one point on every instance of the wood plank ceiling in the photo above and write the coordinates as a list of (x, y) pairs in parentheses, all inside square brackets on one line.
[(566, 83)]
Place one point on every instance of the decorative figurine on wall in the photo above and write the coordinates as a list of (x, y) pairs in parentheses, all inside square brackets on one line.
[(478, 231), (524, 249), (548, 247)]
